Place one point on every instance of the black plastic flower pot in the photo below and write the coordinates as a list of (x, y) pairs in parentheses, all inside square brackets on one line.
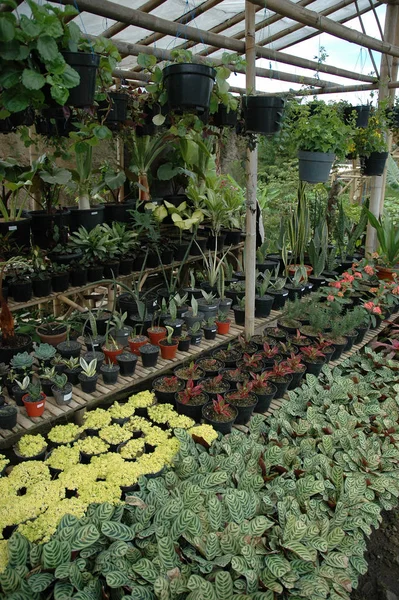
[(118, 211), (62, 396), (184, 345), (110, 374), (374, 164), (191, 410), (362, 114), (8, 417), (94, 344), (244, 412), (22, 291), (199, 244), (69, 349), (263, 114), (214, 241), (338, 350), (86, 64), (315, 167), (233, 237), (87, 217), (189, 86), (95, 273), (96, 355), (361, 332), (165, 397), (60, 282), (41, 287), (317, 281), (295, 292), (223, 427), (114, 108), (177, 326), (73, 375), (264, 400), (111, 269), (88, 384), (102, 317), (279, 298), (196, 338), (42, 225), (127, 363), (78, 277), (17, 394), (210, 332), (17, 232), (47, 384), (54, 121), (126, 266), (313, 368), (225, 117), (296, 379), (167, 257), (351, 337), (65, 258), (149, 355), (239, 315), (282, 386), (266, 265), (263, 306)]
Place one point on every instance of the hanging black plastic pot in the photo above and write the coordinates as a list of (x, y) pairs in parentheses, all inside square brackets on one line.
[(374, 164), (189, 86), (54, 121), (362, 114), (224, 117), (315, 167), (263, 114), (86, 65), (42, 225), (86, 217)]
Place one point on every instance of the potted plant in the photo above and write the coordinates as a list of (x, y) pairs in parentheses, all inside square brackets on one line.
[(41, 279), (338, 340), (195, 334), (20, 389), (244, 400), (166, 387), (16, 182), (371, 144), (110, 373), (184, 341), (52, 333), (97, 355), (188, 86), (46, 376), (298, 368), (88, 376), (173, 321), (192, 371), (359, 115), (278, 292), (234, 376), (91, 446), (111, 349), (136, 341), (93, 243), (209, 328), (169, 344), (263, 301), (72, 369), (8, 416), (22, 363), (239, 311), (20, 284), (208, 305), (222, 323), (388, 239), (190, 292), (281, 377), (263, 389), (30, 447), (69, 348), (263, 263), (149, 355), (211, 366), (251, 363), (34, 400), (191, 400), (215, 385), (44, 354), (156, 334), (229, 355), (59, 277), (127, 363), (263, 114), (313, 359), (120, 332), (62, 389), (220, 414)]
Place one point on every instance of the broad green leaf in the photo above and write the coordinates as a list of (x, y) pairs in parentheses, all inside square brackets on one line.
[(47, 48), (32, 79)]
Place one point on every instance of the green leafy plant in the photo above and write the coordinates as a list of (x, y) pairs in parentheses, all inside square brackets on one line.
[(45, 351), (88, 369), (60, 381), (34, 392), (22, 360), (388, 238)]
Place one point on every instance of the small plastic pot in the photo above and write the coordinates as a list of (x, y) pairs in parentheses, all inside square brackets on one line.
[(264, 400), (110, 374), (121, 336), (190, 410), (156, 334), (8, 417), (41, 287), (223, 427), (168, 349), (361, 332), (78, 277), (88, 384), (338, 350), (73, 375), (195, 338), (244, 412), (296, 378), (279, 298), (263, 306), (18, 394), (281, 386), (210, 332), (127, 362), (99, 356), (149, 355), (95, 273), (166, 397), (22, 291), (351, 340), (47, 384), (314, 368), (60, 282), (177, 326), (184, 345), (69, 349), (223, 327), (112, 353), (62, 396), (136, 342), (94, 344), (34, 409), (239, 315)]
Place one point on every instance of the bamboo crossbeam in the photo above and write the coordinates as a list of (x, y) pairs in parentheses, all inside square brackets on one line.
[(118, 26), (324, 24)]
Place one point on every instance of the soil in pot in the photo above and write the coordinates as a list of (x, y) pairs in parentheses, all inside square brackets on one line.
[(189, 372), (264, 395), (214, 386), (192, 408), (221, 423), (69, 349), (88, 384), (112, 351), (127, 363), (211, 366), (245, 406), (156, 334), (168, 349), (229, 356), (52, 333), (136, 342), (110, 373), (166, 387), (149, 355), (281, 384)]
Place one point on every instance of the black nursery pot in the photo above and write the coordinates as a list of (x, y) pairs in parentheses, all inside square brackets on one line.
[(374, 164), (88, 384), (22, 291), (184, 345), (87, 217), (224, 117), (264, 400), (362, 114), (126, 266), (189, 410), (110, 375), (196, 338), (244, 412), (114, 108), (239, 315), (127, 363), (42, 225), (41, 287), (86, 64), (73, 375), (314, 368), (263, 306), (200, 243), (60, 282), (69, 349), (118, 211), (210, 333), (317, 281), (223, 427), (351, 340), (78, 277), (165, 397), (216, 240), (361, 332), (111, 269), (282, 386), (279, 298), (297, 378), (177, 326), (8, 417), (233, 237), (189, 86), (17, 394), (47, 384), (339, 349), (263, 114), (98, 355), (18, 232), (149, 355), (95, 273)]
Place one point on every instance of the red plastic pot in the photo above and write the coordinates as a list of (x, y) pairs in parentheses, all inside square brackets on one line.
[(223, 327), (135, 345), (156, 334), (292, 269), (35, 409), (112, 354), (168, 352)]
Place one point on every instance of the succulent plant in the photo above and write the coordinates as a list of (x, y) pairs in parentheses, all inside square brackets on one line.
[(45, 351), (22, 360)]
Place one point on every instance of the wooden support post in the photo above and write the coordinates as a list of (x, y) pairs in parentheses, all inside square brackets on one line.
[(71, 303), (388, 70), (251, 176)]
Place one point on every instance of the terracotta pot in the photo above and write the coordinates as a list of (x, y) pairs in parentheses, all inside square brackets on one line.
[(223, 327), (35, 409), (112, 354), (168, 352), (386, 273), (293, 268), (135, 345), (157, 335), (54, 340)]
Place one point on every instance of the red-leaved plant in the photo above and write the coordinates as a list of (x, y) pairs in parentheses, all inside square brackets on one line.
[(213, 384), (260, 381), (254, 360), (312, 353), (191, 391), (170, 383), (323, 344), (294, 362), (236, 374), (243, 390), (269, 351), (221, 407), (391, 348), (298, 338), (280, 370)]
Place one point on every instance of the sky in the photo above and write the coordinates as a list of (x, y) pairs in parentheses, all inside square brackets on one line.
[(340, 54)]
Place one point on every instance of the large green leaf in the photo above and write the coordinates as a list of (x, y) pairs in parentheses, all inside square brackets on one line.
[(39, 582), (85, 537), (117, 531), (277, 564), (47, 48), (32, 79), (7, 27)]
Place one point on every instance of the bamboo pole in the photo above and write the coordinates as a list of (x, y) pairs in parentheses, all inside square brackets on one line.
[(388, 67), (251, 177), (131, 16), (118, 26), (314, 19)]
